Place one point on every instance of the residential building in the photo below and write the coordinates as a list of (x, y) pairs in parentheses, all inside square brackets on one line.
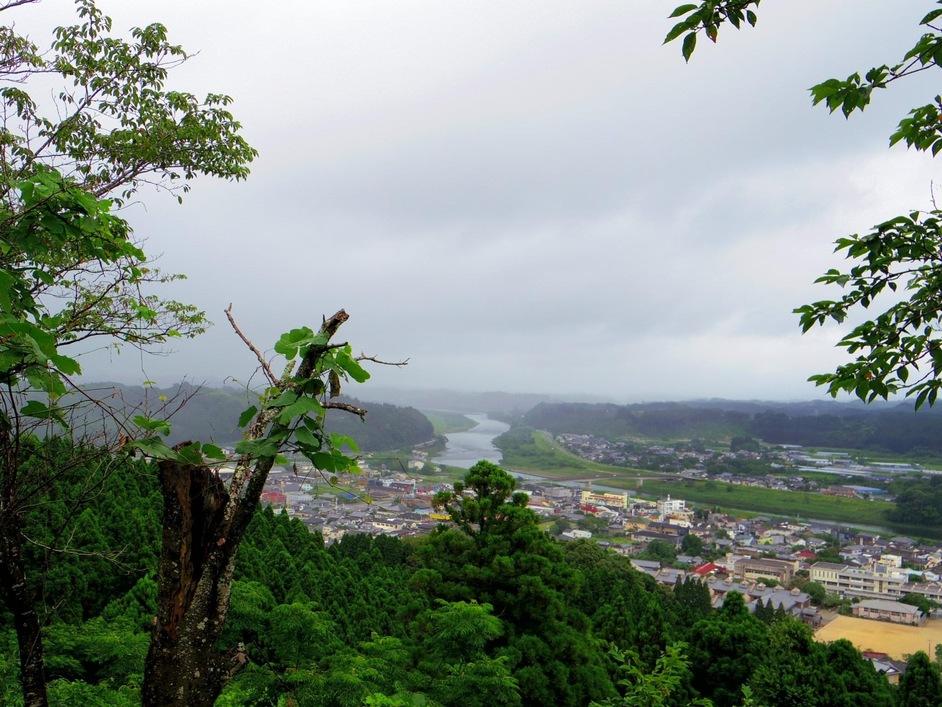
[(876, 582), (669, 506), (781, 571), (608, 500), (886, 610)]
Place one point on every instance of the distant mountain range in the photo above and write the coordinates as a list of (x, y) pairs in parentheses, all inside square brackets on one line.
[(394, 420), (890, 427), (494, 402)]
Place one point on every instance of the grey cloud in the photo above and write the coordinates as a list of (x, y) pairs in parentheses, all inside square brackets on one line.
[(529, 195)]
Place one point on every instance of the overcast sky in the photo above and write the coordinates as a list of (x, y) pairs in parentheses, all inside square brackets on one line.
[(528, 196)]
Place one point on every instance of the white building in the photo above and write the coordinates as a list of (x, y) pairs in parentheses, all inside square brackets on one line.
[(667, 507), (576, 534)]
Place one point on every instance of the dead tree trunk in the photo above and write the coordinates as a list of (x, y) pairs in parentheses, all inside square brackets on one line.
[(21, 603), (183, 664), (204, 522)]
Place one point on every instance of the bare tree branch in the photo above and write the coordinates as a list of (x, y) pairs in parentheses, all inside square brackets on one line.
[(373, 359), (269, 374)]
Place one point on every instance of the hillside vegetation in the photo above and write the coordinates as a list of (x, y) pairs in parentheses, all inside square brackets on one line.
[(487, 611), (887, 428), (213, 413)]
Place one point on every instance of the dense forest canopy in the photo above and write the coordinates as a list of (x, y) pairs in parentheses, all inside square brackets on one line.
[(488, 611)]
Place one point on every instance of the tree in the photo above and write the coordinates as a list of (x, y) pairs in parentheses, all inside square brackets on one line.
[(492, 503), (691, 545), (661, 551), (744, 443), (725, 650), (920, 685), (453, 648), (924, 604), (660, 687), (796, 670), (900, 349), (205, 521), (816, 591), (69, 269), (692, 598), (765, 612), (497, 554)]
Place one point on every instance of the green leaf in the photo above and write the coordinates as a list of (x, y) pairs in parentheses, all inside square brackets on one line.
[(247, 415), (676, 31), (305, 438), (352, 367), (930, 17), (257, 447), (191, 454), (286, 398), (154, 447), (339, 440), (289, 342), (690, 43), (302, 406), (213, 452), (683, 10), (161, 427), (40, 411)]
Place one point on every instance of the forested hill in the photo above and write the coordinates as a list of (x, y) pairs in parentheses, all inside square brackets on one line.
[(889, 428), (386, 427), (211, 414)]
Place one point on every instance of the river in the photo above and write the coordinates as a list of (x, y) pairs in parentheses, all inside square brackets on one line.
[(463, 449)]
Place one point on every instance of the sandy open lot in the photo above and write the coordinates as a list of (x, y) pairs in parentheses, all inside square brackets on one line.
[(892, 639)]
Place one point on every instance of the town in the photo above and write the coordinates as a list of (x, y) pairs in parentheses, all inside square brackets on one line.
[(746, 462), (816, 572)]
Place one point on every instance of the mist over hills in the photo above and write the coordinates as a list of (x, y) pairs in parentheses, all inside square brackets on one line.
[(394, 420), (211, 414), (497, 402), (890, 427)]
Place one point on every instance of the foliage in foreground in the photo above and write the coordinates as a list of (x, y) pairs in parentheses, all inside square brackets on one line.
[(488, 611)]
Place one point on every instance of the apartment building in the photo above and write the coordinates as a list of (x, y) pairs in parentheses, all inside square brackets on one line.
[(877, 581), (758, 569)]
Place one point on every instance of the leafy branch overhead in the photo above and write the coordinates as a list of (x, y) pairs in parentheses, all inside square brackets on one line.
[(901, 348), (922, 128), (87, 122), (899, 262), (707, 18)]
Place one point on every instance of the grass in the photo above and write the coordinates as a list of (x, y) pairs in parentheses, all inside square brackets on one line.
[(801, 504), (790, 503), (533, 451), (447, 422)]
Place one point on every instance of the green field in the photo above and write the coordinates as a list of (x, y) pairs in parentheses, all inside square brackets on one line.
[(793, 504), (447, 422), (533, 451), (789, 503), (536, 452)]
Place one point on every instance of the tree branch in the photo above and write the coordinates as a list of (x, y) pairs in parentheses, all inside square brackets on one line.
[(269, 374)]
